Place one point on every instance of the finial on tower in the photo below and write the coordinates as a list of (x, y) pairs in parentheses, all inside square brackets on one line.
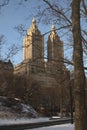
[(34, 28), (34, 20), (53, 27)]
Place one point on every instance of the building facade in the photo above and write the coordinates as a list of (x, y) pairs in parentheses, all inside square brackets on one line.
[(6, 73), (48, 73)]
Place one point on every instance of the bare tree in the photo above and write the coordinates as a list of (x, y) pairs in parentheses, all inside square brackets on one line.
[(2, 41), (4, 3), (79, 76), (61, 15), (25, 88)]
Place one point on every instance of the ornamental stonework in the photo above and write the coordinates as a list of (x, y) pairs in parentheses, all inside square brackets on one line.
[(46, 72)]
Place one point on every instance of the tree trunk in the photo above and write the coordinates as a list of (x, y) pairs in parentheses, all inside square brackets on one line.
[(79, 76)]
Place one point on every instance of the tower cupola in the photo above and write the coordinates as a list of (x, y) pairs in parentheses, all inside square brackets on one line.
[(33, 43), (34, 20), (53, 27), (54, 45), (34, 28)]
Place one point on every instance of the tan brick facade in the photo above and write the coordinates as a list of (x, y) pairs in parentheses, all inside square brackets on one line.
[(47, 73)]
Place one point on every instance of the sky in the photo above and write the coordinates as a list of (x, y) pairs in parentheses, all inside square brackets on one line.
[(13, 15), (16, 13)]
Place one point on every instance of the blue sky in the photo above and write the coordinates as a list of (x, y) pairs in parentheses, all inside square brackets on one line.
[(14, 14)]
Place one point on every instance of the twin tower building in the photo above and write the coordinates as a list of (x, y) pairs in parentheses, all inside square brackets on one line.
[(46, 68)]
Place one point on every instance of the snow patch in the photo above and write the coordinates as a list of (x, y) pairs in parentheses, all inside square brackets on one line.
[(12, 108)]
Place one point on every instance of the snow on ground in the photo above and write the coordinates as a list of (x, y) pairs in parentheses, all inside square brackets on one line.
[(56, 127), (21, 121), (13, 108), (13, 111)]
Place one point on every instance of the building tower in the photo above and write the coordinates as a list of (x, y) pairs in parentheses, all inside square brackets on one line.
[(33, 44), (55, 49)]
